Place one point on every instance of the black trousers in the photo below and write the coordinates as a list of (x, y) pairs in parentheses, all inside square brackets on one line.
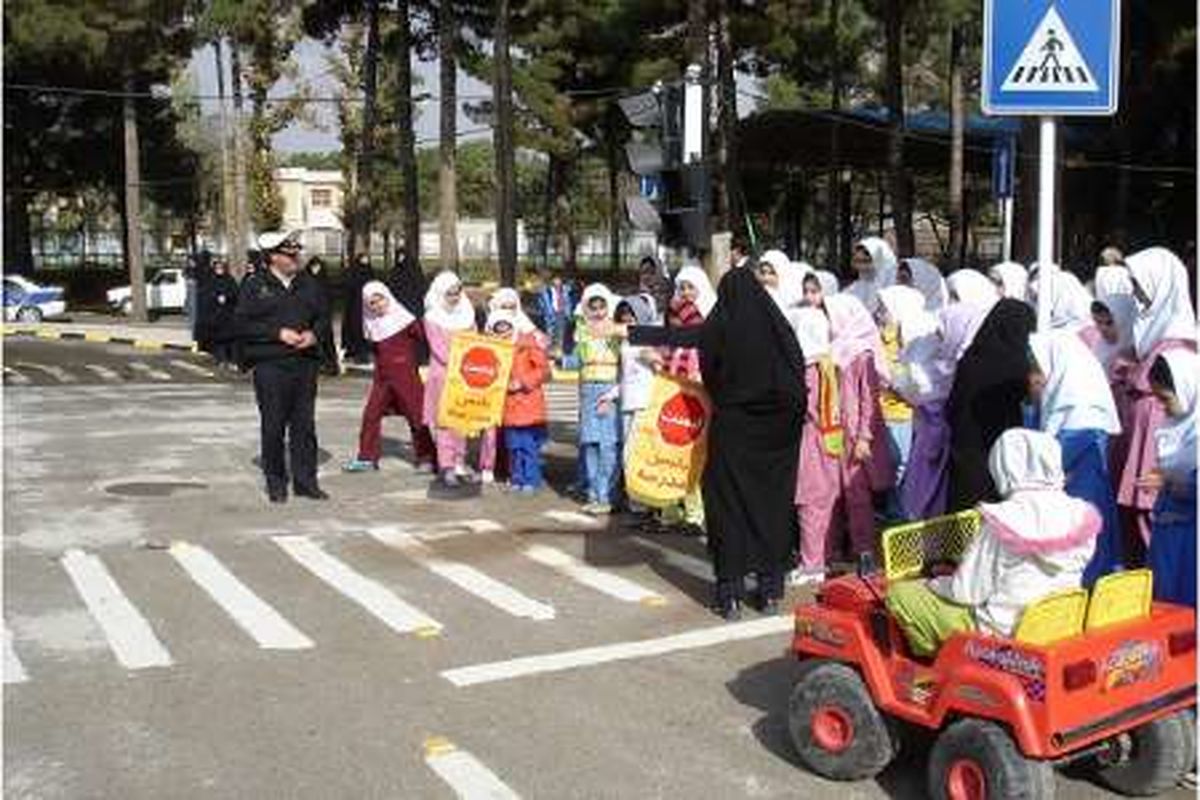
[(286, 392)]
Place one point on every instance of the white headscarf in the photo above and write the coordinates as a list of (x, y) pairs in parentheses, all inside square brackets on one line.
[(706, 298), (1077, 394), (1115, 290), (928, 280), (1163, 278), (597, 290), (1036, 515), (1070, 303), (508, 298), (884, 259), (829, 282), (498, 315), (973, 288), (1175, 439), (906, 306), (812, 331), (395, 319), (1013, 279), (790, 291), (457, 317)]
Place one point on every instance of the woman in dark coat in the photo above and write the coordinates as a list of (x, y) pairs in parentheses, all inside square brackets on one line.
[(354, 343), (754, 371), (220, 301), (989, 388), (329, 354)]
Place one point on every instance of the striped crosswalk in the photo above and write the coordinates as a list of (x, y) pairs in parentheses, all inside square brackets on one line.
[(32, 372), (138, 640)]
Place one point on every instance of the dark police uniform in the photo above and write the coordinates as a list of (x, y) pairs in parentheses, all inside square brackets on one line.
[(285, 378)]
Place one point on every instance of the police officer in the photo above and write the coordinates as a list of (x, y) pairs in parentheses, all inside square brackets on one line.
[(280, 311)]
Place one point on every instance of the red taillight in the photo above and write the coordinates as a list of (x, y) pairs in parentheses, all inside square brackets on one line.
[(1181, 642), (1079, 675)]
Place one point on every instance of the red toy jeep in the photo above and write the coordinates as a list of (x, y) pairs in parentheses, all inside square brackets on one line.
[(1106, 678)]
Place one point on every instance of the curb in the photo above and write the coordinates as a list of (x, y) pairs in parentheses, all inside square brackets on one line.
[(48, 332)]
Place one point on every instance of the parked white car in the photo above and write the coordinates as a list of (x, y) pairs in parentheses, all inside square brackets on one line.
[(166, 291), (26, 301)]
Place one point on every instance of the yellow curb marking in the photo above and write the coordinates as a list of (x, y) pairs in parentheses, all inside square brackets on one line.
[(654, 602), (144, 344), (428, 632), (438, 746), (95, 336)]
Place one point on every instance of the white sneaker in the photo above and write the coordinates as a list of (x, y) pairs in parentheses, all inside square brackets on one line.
[(487, 477), (803, 577)]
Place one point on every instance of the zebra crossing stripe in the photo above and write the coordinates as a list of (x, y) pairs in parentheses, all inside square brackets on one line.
[(15, 377), (696, 567), (104, 373), (58, 373), (129, 634), (149, 371), (188, 366), (464, 576), (253, 615), (14, 671), (572, 518), (466, 775), (605, 582), (372, 596)]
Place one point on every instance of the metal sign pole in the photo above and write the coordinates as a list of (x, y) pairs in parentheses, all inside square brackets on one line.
[(1045, 250), (1006, 205)]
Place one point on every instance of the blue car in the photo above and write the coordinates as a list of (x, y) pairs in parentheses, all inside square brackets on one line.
[(25, 301)]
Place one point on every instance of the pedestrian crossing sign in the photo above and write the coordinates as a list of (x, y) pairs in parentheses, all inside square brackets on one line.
[(1051, 57)]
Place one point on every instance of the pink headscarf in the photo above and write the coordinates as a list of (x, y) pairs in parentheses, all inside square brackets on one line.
[(394, 320), (854, 332)]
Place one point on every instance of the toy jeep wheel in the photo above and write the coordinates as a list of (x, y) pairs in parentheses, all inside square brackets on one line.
[(978, 760), (1160, 754), (835, 727)]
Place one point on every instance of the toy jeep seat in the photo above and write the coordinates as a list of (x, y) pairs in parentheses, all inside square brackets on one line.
[(1055, 617), (908, 549), (1120, 597)]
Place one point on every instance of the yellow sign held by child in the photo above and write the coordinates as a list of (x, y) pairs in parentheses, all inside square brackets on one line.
[(476, 383), (669, 442)]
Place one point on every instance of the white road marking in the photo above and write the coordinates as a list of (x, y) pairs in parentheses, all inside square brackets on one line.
[(104, 373), (252, 614), (15, 377), (58, 373), (372, 596), (696, 567), (195, 369), (464, 774), (606, 582), (150, 372), (572, 518), (457, 527), (129, 634), (464, 576), (14, 671), (621, 651)]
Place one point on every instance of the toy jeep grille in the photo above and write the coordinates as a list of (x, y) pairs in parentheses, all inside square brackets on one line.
[(908, 548)]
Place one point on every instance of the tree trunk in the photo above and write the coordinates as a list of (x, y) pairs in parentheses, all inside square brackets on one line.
[(225, 218), (614, 193), (241, 204), (18, 246), (404, 122), (901, 197), (361, 218), (836, 259), (506, 222), (958, 218), (730, 196), (133, 215), (448, 136), (548, 209)]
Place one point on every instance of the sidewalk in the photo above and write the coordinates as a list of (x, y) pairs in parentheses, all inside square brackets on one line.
[(169, 334)]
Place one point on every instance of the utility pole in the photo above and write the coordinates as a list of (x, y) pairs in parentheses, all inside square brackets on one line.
[(958, 217), (227, 212), (448, 136), (506, 224), (237, 247), (133, 206)]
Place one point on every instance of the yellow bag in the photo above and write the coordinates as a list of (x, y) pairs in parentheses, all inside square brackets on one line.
[(665, 454), (476, 383)]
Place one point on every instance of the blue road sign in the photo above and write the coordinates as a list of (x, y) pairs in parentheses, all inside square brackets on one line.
[(1051, 57)]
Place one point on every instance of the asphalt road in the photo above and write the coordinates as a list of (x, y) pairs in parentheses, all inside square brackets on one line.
[(168, 633)]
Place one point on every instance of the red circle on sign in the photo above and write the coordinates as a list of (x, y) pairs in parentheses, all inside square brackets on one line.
[(479, 368), (681, 420)]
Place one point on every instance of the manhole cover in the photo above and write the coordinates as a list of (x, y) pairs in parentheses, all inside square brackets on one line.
[(153, 488)]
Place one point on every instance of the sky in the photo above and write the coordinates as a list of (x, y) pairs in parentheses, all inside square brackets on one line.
[(312, 60)]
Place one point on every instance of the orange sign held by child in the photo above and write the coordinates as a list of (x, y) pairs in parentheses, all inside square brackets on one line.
[(476, 383), (668, 444)]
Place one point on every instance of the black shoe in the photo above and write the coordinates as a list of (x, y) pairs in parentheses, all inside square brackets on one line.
[(730, 609), (312, 492), (277, 494)]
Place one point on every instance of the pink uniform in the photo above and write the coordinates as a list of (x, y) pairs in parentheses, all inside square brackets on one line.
[(863, 420), (451, 447), (1140, 458), (818, 484)]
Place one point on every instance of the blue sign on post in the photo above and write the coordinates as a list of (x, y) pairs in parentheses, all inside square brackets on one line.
[(1051, 57)]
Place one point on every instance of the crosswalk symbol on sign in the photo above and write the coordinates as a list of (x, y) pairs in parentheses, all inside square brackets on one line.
[(1050, 61)]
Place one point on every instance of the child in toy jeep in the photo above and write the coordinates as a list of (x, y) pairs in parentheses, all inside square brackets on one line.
[(1006, 658)]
